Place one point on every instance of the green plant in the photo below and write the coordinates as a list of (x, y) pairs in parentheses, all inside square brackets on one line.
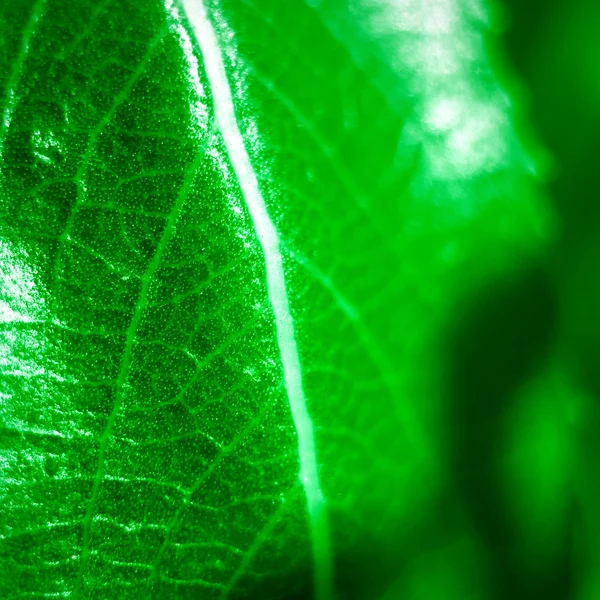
[(232, 235)]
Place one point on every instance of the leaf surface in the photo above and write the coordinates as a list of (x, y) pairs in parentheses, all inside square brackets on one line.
[(231, 233)]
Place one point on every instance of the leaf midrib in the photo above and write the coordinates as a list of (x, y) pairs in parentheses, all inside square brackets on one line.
[(225, 115)]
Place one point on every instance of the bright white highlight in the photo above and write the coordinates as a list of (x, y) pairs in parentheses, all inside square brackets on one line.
[(436, 66), (269, 239), (20, 300), (199, 112), (465, 126)]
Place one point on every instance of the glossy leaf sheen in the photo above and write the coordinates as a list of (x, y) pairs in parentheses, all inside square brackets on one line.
[(231, 232)]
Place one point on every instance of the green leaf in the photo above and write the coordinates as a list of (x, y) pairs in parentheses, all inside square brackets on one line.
[(231, 233)]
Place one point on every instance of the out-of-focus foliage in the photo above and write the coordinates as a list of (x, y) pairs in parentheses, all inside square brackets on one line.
[(542, 522)]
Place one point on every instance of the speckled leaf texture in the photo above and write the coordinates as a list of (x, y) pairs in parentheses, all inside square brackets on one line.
[(230, 234)]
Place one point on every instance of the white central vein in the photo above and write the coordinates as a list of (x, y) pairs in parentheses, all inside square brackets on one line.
[(271, 245)]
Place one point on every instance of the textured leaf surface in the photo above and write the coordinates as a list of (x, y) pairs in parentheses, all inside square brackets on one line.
[(199, 399)]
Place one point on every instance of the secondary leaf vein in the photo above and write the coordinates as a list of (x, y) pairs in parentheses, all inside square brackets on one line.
[(11, 99), (126, 360)]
